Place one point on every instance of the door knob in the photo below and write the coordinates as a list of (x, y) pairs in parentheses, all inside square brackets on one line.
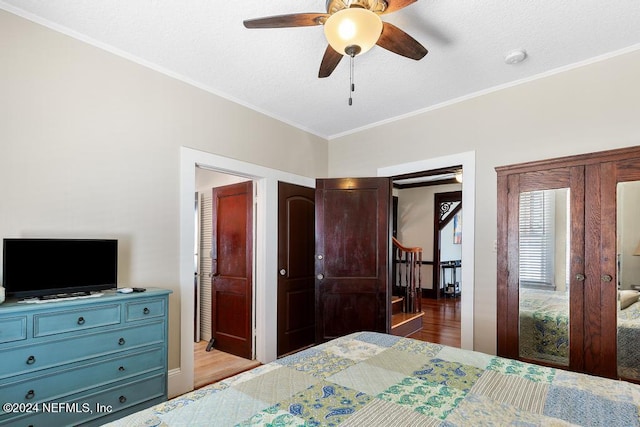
[(320, 276), (580, 277), (319, 256), (283, 272), (606, 278)]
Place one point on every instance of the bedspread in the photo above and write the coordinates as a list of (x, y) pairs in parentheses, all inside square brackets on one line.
[(371, 379)]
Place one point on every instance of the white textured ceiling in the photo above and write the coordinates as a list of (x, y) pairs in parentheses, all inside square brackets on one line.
[(275, 70)]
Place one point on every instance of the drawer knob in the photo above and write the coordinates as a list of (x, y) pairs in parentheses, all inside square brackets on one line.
[(30, 395), (80, 320), (122, 399), (31, 360), (146, 310), (121, 369), (121, 341)]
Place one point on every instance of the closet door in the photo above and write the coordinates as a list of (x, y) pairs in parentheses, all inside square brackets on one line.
[(619, 254), (541, 265)]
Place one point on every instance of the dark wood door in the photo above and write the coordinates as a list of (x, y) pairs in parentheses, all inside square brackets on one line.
[(296, 285), (616, 255), (353, 240), (231, 268)]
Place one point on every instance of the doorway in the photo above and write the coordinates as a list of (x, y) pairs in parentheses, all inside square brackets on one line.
[(266, 261), (210, 183), (466, 162), (420, 216)]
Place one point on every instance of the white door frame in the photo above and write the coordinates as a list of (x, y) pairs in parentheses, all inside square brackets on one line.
[(266, 255), (468, 162)]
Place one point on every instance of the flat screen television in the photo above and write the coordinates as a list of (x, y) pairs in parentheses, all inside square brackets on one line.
[(41, 267)]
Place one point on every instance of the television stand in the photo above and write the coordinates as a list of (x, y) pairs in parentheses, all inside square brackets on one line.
[(103, 358)]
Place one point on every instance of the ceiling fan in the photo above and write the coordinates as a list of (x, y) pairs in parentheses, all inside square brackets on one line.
[(351, 27)]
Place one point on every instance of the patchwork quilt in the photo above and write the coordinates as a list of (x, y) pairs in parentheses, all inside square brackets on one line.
[(371, 379)]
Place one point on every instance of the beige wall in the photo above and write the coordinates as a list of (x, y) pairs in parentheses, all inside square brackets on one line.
[(90, 146), (591, 108)]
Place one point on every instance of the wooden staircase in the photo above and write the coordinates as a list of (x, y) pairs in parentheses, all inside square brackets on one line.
[(406, 310)]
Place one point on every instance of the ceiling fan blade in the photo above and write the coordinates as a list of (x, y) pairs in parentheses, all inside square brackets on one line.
[(394, 5), (329, 63), (397, 41), (282, 21)]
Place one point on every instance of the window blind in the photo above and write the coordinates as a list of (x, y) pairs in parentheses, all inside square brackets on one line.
[(537, 244), (206, 230)]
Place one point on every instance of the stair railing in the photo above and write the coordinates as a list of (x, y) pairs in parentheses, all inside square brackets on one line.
[(408, 262)]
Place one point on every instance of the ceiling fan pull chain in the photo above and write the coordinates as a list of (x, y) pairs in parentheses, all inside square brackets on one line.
[(352, 86)]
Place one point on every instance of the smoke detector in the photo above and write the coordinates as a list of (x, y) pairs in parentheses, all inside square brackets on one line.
[(515, 56)]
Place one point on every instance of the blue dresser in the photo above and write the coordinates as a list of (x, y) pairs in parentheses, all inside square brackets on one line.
[(83, 361)]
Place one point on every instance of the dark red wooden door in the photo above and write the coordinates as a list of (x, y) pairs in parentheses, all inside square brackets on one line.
[(353, 237), (231, 268), (296, 286)]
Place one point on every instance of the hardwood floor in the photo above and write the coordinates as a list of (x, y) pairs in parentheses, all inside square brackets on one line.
[(441, 325), (441, 322), (216, 365)]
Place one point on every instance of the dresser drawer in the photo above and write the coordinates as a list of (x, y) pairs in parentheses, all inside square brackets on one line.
[(145, 309), (13, 329), (24, 359), (79, 378), (75, 320), (84, 407)]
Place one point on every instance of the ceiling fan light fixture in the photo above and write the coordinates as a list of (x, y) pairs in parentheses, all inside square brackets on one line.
[(353, 27)]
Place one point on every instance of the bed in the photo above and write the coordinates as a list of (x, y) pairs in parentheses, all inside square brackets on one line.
[(373, 379)]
